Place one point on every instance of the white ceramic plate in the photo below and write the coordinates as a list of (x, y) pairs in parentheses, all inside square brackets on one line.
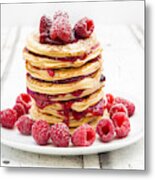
[(14, 139)]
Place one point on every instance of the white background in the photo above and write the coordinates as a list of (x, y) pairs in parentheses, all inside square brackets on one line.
[(40, 174), (128, 12)]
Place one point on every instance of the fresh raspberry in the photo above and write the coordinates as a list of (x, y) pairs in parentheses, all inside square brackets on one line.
[(60, 135), (45, 24), (8, 118), (122, 124), (84, 27), (61, 29), (41, 132), (24, 125), (25, 100), (83, 136), (51, 72), (110, 98), (105, 129), (129, 105), (1, 116), (110, 101), (117, 108), (60, 14), (20, 109)]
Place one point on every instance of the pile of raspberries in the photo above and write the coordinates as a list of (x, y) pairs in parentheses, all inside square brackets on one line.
[(59, 31)]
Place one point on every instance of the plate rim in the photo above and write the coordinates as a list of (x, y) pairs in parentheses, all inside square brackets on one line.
[(71, 151)]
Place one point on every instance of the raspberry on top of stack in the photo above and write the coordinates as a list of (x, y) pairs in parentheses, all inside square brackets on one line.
[(64, 72)]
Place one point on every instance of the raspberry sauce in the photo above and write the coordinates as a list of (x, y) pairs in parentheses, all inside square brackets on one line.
[(77, 93), (66, 111), (95, 110)]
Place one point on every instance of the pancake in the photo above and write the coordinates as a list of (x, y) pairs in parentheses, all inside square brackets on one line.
[(60, 74), (79, 48), (89, 101), (46, 62), (54, 89), (37, 115), (69, 96)]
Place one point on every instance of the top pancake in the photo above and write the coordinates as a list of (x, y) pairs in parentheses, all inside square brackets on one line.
[(78, 48)]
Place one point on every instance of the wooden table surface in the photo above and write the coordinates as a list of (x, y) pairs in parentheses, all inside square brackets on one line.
[(124, 69)]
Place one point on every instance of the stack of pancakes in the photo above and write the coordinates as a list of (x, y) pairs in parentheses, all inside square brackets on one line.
[(65, 81)]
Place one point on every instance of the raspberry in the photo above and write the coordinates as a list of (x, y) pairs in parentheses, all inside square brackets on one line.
[(83, 136), (117, 108), (84, 28), (41, 132), (51, 72), (129, 105), (122, 124), (8, 118), (60, 135), (45, 24), (24, 125), (25, 100), (105, 129), (60, 14), (1, 116), (20, 109), (110, 98), (61, 29), (110, 101)]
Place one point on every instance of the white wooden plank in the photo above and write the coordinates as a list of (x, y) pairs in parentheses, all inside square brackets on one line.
[(123, 60), (8, 49), (17, 158), (138, 33), (16, 73), (116, 37), (91, 161), (4, 36), (131, 157)]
